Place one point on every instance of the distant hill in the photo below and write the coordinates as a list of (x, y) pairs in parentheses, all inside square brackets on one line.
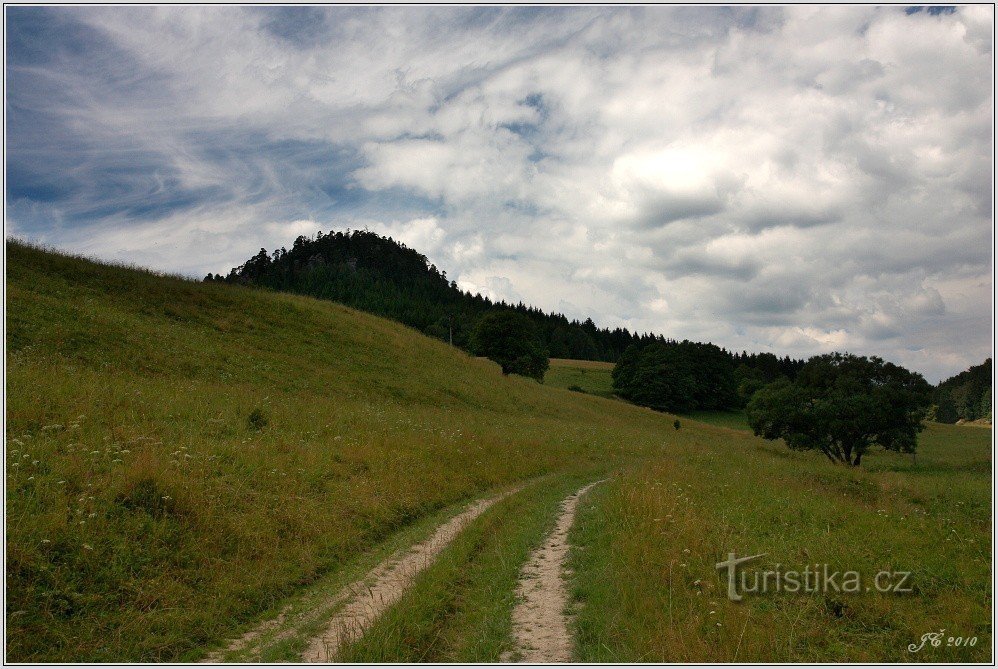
[(366, 271), (966, 396)]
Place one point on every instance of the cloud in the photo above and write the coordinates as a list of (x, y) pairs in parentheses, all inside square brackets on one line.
[(793, 179), (421, 234)]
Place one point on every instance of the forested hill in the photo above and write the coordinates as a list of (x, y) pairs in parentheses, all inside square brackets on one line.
[(382, 276), (966, 395)]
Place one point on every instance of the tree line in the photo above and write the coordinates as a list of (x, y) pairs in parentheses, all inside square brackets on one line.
[(685, 376), (380, 275), (966, 396), (366, 271), (839, 404)]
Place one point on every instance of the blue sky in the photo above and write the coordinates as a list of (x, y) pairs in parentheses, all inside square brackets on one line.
[(796, 180)]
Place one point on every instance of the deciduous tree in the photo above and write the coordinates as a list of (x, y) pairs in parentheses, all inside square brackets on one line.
[(509, 339), (841, 405)]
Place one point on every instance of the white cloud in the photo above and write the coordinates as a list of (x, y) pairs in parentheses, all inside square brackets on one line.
[(421, 234), (791, 179)]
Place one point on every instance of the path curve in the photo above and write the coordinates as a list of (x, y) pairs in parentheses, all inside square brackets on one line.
[(540, 619)]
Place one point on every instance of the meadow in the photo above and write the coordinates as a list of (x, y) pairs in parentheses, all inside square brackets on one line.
[(647, 546), (594, 377), (183, 459), (181, 456), (590, 376)]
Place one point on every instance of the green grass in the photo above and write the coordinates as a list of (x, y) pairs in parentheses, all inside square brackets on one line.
[(595, 378), (591, 376), (733, 420), (304, 614), (147, 518), (651, 539)]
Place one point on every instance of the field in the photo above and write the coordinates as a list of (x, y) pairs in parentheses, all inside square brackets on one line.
[(650, 540), (590, 376), (148, 514), (185, 459)]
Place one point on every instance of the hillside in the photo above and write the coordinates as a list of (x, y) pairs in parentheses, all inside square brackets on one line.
[(146, 514), (185, 460), (382, 276)]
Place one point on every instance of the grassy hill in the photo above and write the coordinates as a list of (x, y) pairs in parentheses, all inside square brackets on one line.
[(147, 516), (382, 276), (183, 457)]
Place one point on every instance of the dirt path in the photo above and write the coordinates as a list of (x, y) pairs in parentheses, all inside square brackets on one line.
[(246, 639), (385, 584), (540, 623)]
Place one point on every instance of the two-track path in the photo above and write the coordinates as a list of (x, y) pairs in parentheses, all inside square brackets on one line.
[(360, 603), (540, 623)]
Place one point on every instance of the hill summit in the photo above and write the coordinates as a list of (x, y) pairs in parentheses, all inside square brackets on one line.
[(382, 276)]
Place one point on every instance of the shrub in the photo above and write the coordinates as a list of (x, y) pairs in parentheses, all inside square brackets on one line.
[(258, 419)]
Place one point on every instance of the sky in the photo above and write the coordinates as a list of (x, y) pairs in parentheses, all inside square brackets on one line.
[(788, 179)]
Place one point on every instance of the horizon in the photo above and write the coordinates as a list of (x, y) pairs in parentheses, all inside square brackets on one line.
[(511, 305), (791, 180)]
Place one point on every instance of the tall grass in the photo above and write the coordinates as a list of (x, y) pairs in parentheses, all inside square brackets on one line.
[(183, 457), (460, 609), (645, 569)]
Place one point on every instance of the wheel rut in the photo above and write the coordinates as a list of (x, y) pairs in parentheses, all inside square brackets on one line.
[(540, 618), (366, 599)]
